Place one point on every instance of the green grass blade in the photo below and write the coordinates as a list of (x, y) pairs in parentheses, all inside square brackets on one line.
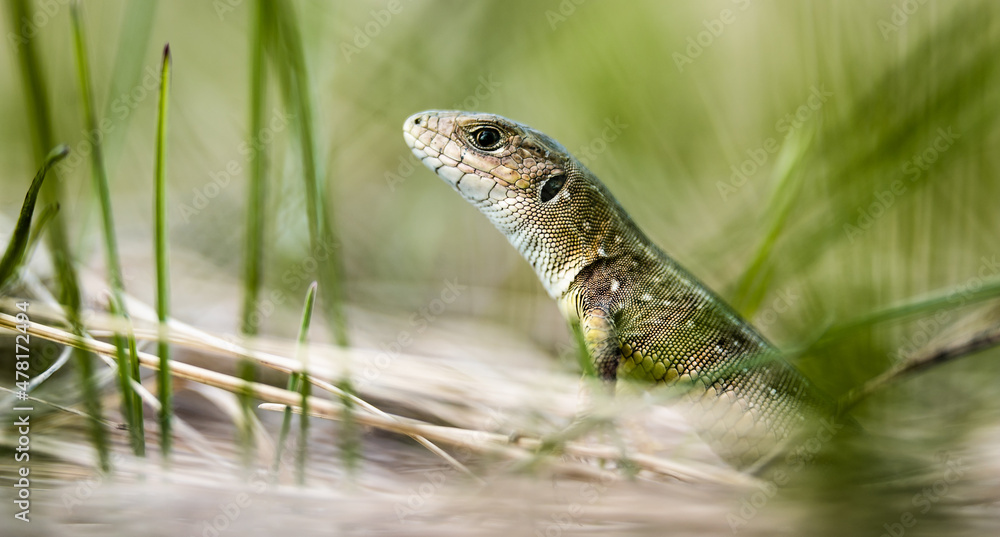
[(99, 171), (163, 380), (350, 431), (254, 252), (256, 216), (127, 370), (35, 90), (92, 406), (97, 154), (44, 219), (753, 284), (295, 84), (583, 358), (298, 382), (19, 241), (928, 305), (303, 442), (304, 387), (34, 87), (293, 74)]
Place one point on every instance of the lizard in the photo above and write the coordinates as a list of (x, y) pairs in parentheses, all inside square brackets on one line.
[(643, 317)]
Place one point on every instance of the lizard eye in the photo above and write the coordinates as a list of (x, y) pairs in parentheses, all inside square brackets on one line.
[(552, 187), (487, 138)]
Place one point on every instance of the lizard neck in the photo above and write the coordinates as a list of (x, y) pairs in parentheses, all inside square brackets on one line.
[(560, 249)]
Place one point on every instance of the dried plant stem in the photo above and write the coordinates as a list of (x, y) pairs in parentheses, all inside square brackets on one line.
[(483, 442)]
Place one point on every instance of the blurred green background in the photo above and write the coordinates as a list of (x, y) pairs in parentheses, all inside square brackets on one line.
[(811, 161)]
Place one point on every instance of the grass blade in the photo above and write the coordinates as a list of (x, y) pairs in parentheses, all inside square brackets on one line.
[(298, 382), (303, 445), (350, 430), (581, 353), (753, 284), (927, 305), (925, 360), (99, 171), (128, 370), (44, 218), (163, 381), (35, 90), (254, 252), (14, 255), (295, 84), (286, 45)]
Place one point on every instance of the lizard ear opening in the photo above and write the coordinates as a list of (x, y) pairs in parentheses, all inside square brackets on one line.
[(552, 187)]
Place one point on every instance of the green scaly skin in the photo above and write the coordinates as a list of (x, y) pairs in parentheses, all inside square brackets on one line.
[(643, 316)]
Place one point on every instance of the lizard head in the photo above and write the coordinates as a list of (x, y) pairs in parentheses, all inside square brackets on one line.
[(487, 157), (550, 207)]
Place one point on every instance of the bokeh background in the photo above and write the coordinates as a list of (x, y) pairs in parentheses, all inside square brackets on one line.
[(813, 162)]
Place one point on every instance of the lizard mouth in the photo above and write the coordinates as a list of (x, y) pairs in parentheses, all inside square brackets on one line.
[(421, 140)]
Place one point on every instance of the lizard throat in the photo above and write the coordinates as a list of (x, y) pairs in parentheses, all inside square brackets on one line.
[(555, 272)]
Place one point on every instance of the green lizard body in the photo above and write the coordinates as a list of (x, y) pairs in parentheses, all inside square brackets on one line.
[(642, 315)]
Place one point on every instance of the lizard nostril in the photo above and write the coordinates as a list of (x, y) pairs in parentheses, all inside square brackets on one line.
[(417, 121)]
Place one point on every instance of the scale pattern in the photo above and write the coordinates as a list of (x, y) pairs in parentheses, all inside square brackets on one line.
[(644, 317)]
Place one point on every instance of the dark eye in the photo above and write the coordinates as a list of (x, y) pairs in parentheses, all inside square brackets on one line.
[(552, 187), (487, 138)]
